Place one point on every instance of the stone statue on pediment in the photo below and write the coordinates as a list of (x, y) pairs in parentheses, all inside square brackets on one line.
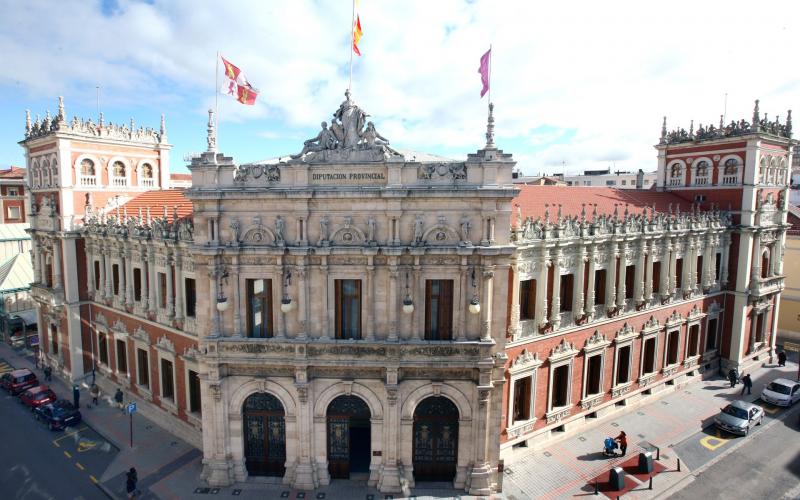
[(351, 120), (324, 140)]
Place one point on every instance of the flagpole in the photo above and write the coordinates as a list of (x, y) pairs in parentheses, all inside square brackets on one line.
[(352, 28), (490, 74), (216, 98)]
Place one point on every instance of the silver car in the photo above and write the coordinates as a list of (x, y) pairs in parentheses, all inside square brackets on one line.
[(738, 417)]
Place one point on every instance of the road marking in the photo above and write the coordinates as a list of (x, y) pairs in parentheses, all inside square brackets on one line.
[(714, 442), (78, 465), (68, 435), (67, 454), (94, 479), (772, 410), (86, 445), (56, 444)]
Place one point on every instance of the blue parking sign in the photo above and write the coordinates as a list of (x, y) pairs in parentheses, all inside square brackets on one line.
[(131, 407)]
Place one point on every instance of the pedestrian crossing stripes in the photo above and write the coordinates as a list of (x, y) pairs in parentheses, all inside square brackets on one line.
[(5, 367)]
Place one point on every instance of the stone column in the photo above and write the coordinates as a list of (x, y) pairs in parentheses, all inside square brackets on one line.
[(102, 290), (751, 345), (673, 266), (36, 257), (755, 270), (777, 259), (577, 306), (611, 277), (480, 476), (302, 298), (486, 303), (392, 303), (541, 291), (152, 306), (389, 481), (179, 292), (89, 268), (371, 300), (108, 273), (128, 263), (639, 274), (589, 306), (461, 308), (555, 314), (216, 330), (687, 267), (417, 323), (170, 300), (623, 272), (57, 279), (326, 327), (513, 327), (305, 476), (723, 276), (145, 281), (648, 269)]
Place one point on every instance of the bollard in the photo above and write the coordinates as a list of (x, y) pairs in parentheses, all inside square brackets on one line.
[(650, 486), (679, 465), (658, 453), (595, 487)]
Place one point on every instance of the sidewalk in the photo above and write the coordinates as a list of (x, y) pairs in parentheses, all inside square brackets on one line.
[(567, 468)]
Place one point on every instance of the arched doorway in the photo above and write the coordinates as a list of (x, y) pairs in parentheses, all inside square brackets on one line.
[(264, 435), (348, 437), (435, 440)]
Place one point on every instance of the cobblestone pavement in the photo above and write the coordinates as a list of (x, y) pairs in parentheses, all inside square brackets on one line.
[(566, 468)]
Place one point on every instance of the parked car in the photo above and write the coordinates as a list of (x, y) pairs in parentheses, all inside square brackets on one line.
[(58, 415), (739, 417), (37, 396), (19, 381), (781, 392)]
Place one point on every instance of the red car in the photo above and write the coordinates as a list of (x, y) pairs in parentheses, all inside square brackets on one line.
[(37, 396), (19, 381)]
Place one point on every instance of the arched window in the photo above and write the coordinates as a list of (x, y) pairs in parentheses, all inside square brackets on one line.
[(46, 177), (762, 173), (37, 181), (88, 172), (730, 173), (701, 172), (765, 262), (87, 167), (676, 175), (118, 174), (147, 175)]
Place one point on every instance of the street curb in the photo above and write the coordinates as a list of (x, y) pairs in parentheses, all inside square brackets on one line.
[(105, 490), (695, 473)]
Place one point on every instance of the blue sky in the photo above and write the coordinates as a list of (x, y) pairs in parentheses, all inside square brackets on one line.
[(583, 85)]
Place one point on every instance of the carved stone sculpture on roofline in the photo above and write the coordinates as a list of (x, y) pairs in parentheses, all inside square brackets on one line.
[(347, 139)]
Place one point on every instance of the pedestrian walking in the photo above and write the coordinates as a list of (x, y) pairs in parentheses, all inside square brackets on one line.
[(131, 478), (733, 376), (782, 358), (48, 373), (76, 396), (118, 398), (748, 384), (622, 439), (95, 392)]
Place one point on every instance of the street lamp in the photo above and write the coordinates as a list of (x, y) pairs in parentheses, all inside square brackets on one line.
[(474, 303), (408, 304), (286, 301)]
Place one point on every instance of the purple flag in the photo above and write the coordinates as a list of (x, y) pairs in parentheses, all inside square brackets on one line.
[(484, 71)]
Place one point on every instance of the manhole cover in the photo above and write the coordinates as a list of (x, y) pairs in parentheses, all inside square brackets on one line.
[(214, 491), (301, 494), (508, 471), (581, 438), (548, 454), (614, 424), (320, 496), (284, 494), (236, 492), (202, 491)]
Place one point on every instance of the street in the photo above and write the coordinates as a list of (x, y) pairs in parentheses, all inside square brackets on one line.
[(39, 463), (766, 466)]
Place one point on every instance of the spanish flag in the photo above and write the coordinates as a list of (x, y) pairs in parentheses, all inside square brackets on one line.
[(357, 34)]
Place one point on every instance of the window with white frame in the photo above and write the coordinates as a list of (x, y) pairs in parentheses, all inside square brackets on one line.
[(88, 173), (13, 191), (712, 329), (623, 355), (14, 213), (143, 367), (167, 379), (146, 178), (730, 172), (693, 340), (119, 174), (702, 173), (559, 388), (522, 387), (672, 351), (676, 174), (593, 363)]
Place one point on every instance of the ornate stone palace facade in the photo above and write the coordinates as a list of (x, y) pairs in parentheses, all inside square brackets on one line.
[(354, 311)]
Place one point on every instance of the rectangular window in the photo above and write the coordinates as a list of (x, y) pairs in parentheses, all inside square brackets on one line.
[(560, 395), (623, 364), (649, 365), (96, 275), (698, 271), (694, 340), (13, 213), (48, 274), (593, 370), (122, 357), (137, 284), (527, 299), (348, 309), (656, 277), (679, 274), (711, 334), (672, 347), (600, 286), (611, 183), (102, 348), (522, 399), (167, 382), (438, 309), (194, 392), (630, 280), (259, 308), (717, 266), (565, 293), (191, 297), (143, 368), (115, 278), (13, 191), (54, 339), (162, 290)]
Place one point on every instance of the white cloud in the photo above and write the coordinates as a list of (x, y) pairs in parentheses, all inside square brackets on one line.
[(607, 71)]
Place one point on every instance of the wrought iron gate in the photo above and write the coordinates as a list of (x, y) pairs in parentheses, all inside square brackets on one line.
[(342, 413), (435, 440), (264, 435)]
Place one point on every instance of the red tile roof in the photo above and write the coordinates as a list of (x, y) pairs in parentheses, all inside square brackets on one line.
[(532, 200), (180, 177), (793, 218), (157, 200), (13, 173)]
